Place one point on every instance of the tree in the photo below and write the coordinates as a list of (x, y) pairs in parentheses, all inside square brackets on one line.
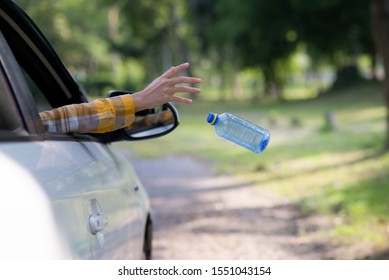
[(267, 38), (214, 30), (81, 44), (380, 29), (337, 31), (249, 31), (150, 30)]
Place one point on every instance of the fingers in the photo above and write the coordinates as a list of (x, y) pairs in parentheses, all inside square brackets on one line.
[(174, 70), (184, 79), (186, 89), (169, 84), (181, 99)]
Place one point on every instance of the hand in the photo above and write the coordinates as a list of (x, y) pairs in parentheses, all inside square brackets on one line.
[(164, 88)]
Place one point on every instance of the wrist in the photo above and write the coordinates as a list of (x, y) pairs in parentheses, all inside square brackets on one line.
[(139, 101)]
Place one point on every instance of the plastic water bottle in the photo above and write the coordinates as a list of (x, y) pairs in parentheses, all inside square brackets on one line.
[(240, 131)]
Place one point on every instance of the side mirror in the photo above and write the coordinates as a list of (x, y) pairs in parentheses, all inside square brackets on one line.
[(150, 123)]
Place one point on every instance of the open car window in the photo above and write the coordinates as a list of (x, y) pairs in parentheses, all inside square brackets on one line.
[(40, 99), (48, 80), (9, 121)]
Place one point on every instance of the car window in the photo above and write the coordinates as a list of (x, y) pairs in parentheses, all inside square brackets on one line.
[(49, 82), (9, 121), (3, 91), (37, 91), (41, 101)]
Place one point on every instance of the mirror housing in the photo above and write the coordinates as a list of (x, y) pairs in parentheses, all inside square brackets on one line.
[(148, 124), (158, 122)]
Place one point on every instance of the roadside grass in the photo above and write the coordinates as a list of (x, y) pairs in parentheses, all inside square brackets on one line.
[(341, 173)]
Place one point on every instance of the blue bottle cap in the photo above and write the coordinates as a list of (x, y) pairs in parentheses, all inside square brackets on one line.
[(212, 118), (264, 142)]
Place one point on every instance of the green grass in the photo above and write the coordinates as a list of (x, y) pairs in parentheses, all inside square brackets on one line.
[(341, 173)]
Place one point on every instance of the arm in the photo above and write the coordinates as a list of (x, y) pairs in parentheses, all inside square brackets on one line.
[(113, 113), (99, 116)]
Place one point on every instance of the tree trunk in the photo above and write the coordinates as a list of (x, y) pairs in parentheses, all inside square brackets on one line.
[(380, 29), (374, 72), (184, 57), (272, 87)]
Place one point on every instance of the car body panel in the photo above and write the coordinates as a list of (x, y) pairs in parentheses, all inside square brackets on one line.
[(71, 176), (76, 192), (117, 195), (59, 179)]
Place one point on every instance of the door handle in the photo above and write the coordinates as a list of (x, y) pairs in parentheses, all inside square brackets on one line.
[(97, 222)]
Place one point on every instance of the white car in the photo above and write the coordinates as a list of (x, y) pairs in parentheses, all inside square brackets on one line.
[(62, 196)]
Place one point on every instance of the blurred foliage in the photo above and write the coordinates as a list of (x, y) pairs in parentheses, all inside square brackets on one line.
[(279, 49), (338, 30), (267, 34), (104, 41)]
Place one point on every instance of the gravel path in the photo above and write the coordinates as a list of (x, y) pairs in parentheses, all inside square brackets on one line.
[(199, 215)]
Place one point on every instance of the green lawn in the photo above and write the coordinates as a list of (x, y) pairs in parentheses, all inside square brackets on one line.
[(341, 173)]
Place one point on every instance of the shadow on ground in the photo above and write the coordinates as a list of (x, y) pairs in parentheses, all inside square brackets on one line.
[(199, 215)]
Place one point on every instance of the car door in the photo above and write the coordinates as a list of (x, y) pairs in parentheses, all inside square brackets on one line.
[(116, 197), (92, 190), (59, 169)]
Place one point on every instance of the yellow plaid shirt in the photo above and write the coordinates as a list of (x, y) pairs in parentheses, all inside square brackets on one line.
[(99, 116)]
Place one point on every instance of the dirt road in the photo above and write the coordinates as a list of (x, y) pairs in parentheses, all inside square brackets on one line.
[(199, 215)]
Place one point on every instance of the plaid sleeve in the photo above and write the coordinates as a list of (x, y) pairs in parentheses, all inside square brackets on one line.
[(165, 117), (99, 116)]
